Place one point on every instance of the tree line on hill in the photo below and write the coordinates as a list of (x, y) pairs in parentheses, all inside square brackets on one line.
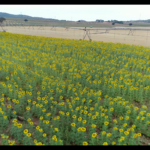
[(113, 21), (2, 19)]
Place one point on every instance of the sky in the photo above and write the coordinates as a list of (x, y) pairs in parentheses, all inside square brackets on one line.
[(81, 12)]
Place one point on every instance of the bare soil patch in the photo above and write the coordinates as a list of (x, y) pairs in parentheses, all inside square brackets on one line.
[(137, 37)]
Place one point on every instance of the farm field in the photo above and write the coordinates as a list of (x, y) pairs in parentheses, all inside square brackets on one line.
[(139, 37), (56, 91), (72, 23)]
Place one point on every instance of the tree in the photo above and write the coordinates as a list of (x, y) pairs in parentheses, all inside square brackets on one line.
[(113, 23), (116, 21), (2, 19), (99, 20), (130, 24), (120, 22), (25, 20)]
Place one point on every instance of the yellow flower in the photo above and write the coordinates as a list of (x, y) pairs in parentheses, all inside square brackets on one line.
[(122, 138), (41, 118), (44, 135), (115, 121), (4, 117), (129, 111), (48, 114), (46, 101), (113, 143), (15, 124), (31, 123), (141, 112), (106, 117), (135, 135), (28, 134), (84, 121), (41, 105), (120, 130), (61, 97), (54, 138), (39, 143), (80, 118), (102, 114), (56, 129), (67, 113), (79, 129), (43, 109), (105, 143), (85, 112), (112, 109), (126, 132), (125, 124), (41, 130), (34, 102), (136, 108), (38, 98), (9, 106), (106, 96), (11, 142), (59, 117), (94, 135), (38, 92), (74, 116), (47, 122), (106, 123), (83, 129), (142, 118), (109, 134), (128, 129), (14, 120), (17, 101), (133, 126), (73, 124), (37, 127), (19, 125), (85, 107), (25, 131), (138, 134), (93, 126), (127, 117), (97, 113), (115, 128), (29, 119), (104, 132), (94, 117), (9, 85), (85, 143), (29, 100), (27, 108), (35, 141)]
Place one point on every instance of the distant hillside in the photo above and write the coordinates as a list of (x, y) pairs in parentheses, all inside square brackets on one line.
[(7, 15)]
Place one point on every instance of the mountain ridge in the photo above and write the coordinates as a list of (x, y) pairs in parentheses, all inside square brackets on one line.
[(7, 15)]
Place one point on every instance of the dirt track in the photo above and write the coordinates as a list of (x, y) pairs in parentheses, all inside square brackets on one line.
[(139, 37)]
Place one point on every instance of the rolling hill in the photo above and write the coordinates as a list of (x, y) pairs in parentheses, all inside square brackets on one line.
[(7, 15)]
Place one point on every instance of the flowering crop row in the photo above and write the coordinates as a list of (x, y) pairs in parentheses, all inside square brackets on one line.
[(80, 92)]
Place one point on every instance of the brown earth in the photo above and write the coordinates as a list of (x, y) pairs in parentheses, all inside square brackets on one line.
[(139, 37)]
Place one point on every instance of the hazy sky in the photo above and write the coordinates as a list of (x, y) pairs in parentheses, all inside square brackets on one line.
[(81, 12)]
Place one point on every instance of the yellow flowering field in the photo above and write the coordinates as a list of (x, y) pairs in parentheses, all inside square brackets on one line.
[(69, 92)]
